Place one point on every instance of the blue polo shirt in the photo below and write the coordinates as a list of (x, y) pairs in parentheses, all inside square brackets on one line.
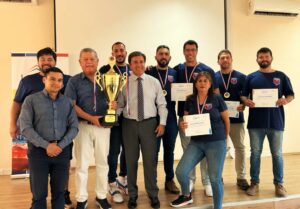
[(81, 90), (272, 118), (172, 78), (31, 84), (181, 78), (235, 88), (214, 106)]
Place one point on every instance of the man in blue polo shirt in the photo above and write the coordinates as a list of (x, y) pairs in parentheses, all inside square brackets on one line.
[(230, 83), (166, 77), (268, 121)]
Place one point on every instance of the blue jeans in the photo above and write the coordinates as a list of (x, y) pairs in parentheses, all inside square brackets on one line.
[(169, 139), (275, 138), (115, 145), (41, 166), (215, 152)]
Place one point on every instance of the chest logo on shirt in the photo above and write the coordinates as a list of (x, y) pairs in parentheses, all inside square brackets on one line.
[(233, 81), (276, 81), (195, 75), (170, 78), (208, 106)]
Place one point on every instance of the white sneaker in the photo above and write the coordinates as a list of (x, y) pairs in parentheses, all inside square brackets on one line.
[(122, 184), (115, 193), (191, 185), (208, 190)]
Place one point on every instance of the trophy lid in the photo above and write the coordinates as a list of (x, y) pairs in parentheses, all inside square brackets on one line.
[(111, 63)]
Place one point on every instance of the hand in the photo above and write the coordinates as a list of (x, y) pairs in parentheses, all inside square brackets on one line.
[(53, 150), (13, 131), (183, 125), (160, 130), (95, 120), (114, 105), (281, 102), (241, 108), (249, 103)]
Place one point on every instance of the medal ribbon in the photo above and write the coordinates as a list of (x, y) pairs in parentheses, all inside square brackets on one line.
[(198, 105), (94, 96), (188, 80), (226, 86), (163, 84)]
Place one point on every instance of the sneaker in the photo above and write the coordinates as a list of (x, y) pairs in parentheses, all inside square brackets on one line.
[(182, 200), (102, 203), (82, 205), (192, 185), (68, 202), (242, 184), (253, 189), (122, 184), (208, 190), (115, 193), (171, 187), (280, 191)]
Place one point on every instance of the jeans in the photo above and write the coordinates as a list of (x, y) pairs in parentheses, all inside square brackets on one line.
[(275, 138), (169, 139), (215, 152), (41, 166), (116, 142)]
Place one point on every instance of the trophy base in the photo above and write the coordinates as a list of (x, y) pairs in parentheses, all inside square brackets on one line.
[(109, 120)]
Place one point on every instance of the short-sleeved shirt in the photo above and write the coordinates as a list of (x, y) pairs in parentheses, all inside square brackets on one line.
[(214, 106), (118, 69), (235, 88), (81, 90), (272, 118), (172, 78), (181, 78), (31, 84)]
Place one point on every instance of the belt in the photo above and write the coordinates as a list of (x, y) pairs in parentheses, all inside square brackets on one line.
[(141, 120), (53, 141), (86, 122)]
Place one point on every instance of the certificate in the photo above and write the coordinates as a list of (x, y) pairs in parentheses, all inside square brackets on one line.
[(198, 124), (179, 91), (232, 108), (265, 97)]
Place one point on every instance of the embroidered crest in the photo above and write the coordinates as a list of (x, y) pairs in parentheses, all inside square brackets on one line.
[(233, 81), (195, 75), (208, 106), (170, 78), (276, 81)]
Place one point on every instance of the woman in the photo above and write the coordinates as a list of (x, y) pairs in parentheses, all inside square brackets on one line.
[(212, 146)]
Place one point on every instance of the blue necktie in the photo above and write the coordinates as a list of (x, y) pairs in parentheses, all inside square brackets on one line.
[(140, 100)]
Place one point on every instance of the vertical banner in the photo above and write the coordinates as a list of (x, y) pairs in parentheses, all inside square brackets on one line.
[(24, 64)]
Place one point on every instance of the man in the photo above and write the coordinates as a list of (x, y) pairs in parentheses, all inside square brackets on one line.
[(166, 76), (268, 121), (230, 84), (49, 123), (141, 101), (30, 84), (117, 184), (90, 105), (186, 73)]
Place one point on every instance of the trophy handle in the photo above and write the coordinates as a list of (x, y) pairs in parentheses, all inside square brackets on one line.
[(123, 80), (98, 79)]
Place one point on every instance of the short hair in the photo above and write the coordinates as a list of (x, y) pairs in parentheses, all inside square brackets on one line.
[(136, 54), (264, 50), (208, 76), (46, 51), (118, 43), (190, 42), (88, 50), (54, 70), (162, 47), (224, 51)]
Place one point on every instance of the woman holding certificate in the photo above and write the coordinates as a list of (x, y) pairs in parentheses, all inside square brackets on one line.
[(206, 120)]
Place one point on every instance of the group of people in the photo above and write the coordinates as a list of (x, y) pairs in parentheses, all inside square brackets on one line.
[(50, 117)]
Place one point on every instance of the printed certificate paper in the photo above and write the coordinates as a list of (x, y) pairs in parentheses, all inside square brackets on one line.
[(265, 97), (232, 108), (179, 91), (198, 125)]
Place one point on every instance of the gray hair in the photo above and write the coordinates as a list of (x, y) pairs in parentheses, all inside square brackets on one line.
[(88, 50)]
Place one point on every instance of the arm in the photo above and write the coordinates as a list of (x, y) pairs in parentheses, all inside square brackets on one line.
[(162, 110), (82, 114), (183, 125), (225, 118), (14, 114), (248, 102), (284, 100)]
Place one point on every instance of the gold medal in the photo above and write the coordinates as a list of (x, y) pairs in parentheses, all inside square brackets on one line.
[(165, 93), (226, 95)]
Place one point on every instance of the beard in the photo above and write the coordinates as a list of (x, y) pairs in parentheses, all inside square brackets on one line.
[(163, 63), (44, 68), (120, 60), (264, 64)]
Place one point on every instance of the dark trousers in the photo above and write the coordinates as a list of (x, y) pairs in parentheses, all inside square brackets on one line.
[(115, 145), (169, 139), (140, 136), (41, 166)]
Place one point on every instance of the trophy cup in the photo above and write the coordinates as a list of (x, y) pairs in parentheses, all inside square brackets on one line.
[(111, 83)]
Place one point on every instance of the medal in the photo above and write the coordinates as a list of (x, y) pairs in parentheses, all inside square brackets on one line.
[(226, 95), (165, 92), (226, 86), (163, 83)]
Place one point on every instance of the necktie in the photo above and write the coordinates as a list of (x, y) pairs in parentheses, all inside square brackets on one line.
[(140, 100)]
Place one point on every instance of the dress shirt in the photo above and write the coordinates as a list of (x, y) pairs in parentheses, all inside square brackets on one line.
[(43, 120), (154, 100)]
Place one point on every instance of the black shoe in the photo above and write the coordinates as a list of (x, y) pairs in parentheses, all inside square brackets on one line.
[(182, 200), (68, 202), (81, 205), (102, 203), (132, 203), (155, 202)]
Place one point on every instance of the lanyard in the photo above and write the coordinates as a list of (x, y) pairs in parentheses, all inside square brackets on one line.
[(201, 111), (163, 84), (228, 82), (188, 80)]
